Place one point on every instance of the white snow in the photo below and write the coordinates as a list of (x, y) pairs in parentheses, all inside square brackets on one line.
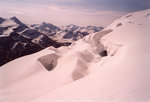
[(7, 32), (81, 74), (8, 22)]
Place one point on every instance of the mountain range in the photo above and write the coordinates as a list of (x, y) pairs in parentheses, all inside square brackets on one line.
[(18, 39)]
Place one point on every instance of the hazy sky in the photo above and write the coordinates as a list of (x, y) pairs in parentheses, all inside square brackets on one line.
[(63, 12)]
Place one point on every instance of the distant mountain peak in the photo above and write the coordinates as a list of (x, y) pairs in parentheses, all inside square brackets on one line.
[(71, 25), (1, 20), (43, 23), (47, 24), (16, 20), (14, 17)]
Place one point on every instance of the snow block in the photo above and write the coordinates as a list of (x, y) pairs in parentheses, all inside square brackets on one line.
[(49, 61)]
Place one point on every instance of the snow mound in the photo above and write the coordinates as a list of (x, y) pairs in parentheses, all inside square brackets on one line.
[(108, 66)]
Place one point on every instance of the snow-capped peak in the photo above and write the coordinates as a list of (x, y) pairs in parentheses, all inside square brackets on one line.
[(47, 26), (12, 22), (16, 20)]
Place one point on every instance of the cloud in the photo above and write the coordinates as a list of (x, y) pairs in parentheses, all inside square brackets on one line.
[(113, 5), (62, 12), (59, 15)]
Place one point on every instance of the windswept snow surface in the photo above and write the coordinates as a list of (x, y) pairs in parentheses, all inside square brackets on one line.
[(80, 74)]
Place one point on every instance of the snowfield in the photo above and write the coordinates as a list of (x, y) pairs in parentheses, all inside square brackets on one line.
[(108, 66)]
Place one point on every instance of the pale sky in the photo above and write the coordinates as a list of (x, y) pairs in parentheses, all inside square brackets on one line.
[(64, 12)]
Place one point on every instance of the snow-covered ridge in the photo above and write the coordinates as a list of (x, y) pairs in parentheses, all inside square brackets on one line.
[(108, 66)]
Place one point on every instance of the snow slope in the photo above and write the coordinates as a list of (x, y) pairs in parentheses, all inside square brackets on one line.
[(81, 72)]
